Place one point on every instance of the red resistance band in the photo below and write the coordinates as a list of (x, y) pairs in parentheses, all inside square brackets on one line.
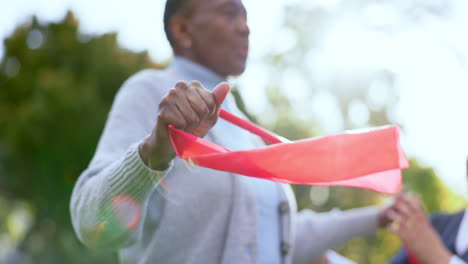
[(412, 258), (371, 159)]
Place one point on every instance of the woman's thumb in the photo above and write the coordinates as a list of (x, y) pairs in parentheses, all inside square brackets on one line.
[(220, 92)]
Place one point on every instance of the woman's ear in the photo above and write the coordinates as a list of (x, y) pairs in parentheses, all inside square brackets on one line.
[(180, 33)]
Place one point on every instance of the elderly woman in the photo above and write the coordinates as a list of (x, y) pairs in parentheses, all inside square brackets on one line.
[(209, 216)]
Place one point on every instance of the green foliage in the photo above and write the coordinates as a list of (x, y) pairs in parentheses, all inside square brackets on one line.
[(54, 98), (436, 196)]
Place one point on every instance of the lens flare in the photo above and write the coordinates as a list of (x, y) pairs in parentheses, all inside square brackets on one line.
[(127, 210)]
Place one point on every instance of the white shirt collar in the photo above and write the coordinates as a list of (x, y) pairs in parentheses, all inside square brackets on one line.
[(208, 78)]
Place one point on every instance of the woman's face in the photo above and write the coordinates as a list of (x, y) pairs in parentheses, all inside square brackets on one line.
[(219, 35)]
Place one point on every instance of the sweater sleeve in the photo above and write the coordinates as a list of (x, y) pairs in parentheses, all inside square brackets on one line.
[(318, 232), (109, 196)]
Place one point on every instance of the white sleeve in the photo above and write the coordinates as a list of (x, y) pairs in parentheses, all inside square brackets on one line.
[(335, 258), (318, 232), (108, 197), (456, 260)]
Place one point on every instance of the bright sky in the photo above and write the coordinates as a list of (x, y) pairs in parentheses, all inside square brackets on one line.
[(428, 59)]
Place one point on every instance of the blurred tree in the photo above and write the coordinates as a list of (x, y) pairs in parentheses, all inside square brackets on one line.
[(57, 86)]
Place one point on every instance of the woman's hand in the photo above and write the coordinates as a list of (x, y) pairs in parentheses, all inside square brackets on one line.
[(189, 107)]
